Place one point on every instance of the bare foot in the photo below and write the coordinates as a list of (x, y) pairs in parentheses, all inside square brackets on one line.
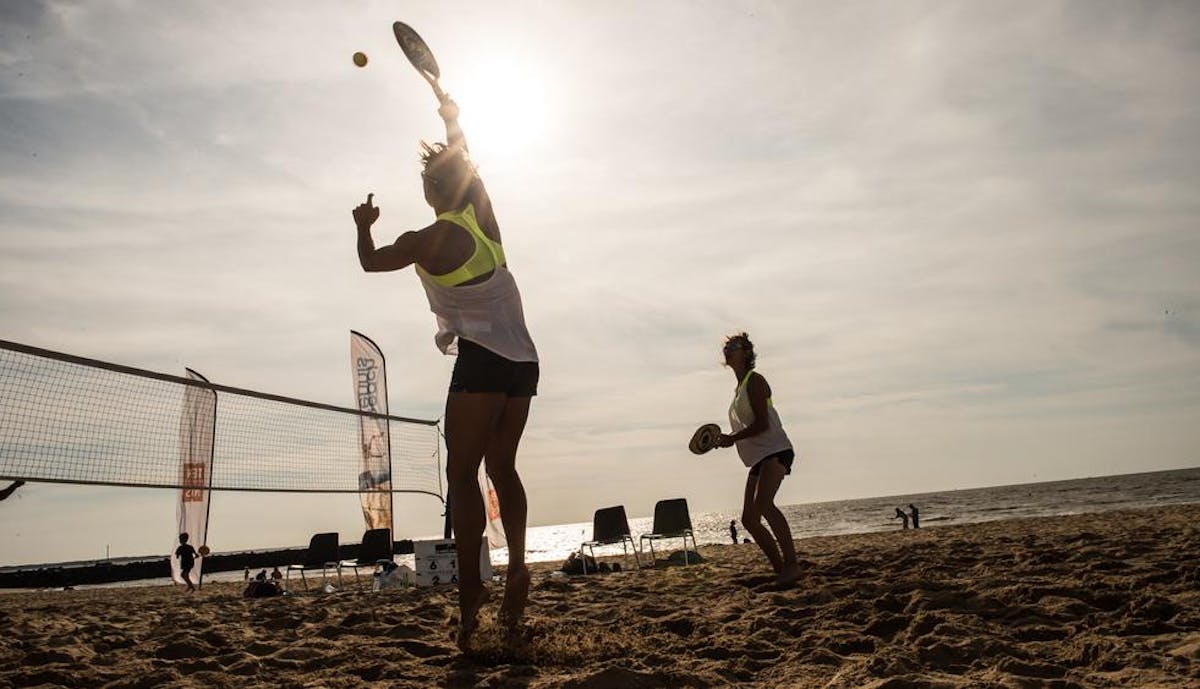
[(790, 573), (516, 595), (468, 612)]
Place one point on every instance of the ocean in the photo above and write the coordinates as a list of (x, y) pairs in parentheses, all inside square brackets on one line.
[(1077, 496)]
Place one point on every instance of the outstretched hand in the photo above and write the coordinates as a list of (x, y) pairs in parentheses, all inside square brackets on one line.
[(365, 214), (724, 441)]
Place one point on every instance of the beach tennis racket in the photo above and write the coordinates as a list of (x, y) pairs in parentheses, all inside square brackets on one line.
[(419, 54), (705, 438)]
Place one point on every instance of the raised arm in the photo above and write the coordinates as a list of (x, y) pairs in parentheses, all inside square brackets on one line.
[(456, 139), (404, 252), (454, 133)]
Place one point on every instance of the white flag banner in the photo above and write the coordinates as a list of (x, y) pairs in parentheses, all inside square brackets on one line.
[(493, 528), (370, 394), (196, 426)]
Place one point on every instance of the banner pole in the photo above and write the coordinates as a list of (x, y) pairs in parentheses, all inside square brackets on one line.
[(212, 449), (387, 407)]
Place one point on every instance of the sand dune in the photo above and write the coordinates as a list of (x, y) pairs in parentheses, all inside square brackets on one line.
[(1083, 601)]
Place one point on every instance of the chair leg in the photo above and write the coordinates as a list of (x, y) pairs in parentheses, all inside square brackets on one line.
[(653, 557), (686, 554)]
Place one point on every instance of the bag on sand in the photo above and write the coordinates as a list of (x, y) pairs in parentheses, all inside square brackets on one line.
[(574, 564), (261, 589), (393, 577)]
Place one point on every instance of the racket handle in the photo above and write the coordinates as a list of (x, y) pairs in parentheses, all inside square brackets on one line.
[(437, 89)]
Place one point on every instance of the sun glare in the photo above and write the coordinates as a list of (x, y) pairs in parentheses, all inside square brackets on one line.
[(505, 111)]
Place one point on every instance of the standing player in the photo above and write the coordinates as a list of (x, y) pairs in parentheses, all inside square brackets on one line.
[(764, 447), (460, 261), (187, 559)]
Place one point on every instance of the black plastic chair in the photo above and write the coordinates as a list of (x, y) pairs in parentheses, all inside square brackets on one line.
[(609, 526), (375, 550), (322, 554), (671, 520)]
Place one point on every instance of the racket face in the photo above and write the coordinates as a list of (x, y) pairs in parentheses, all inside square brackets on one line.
[(704, 439), (415, 49)]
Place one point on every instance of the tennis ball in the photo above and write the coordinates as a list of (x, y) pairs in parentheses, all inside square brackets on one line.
[(360, 59)]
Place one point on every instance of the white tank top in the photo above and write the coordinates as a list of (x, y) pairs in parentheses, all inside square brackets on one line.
[(488, 313), (754, 449)]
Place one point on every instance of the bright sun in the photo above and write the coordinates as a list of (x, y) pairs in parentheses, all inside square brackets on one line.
[(504, 110)]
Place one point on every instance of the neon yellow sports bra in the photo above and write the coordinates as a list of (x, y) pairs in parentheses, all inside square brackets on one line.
[(487, 256)]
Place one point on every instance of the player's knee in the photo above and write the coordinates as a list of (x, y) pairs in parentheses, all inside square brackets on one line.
[(767, 509), (505, 473), (459, 474)]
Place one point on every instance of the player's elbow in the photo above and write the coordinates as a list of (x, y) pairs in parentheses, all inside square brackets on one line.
[(369, 264)]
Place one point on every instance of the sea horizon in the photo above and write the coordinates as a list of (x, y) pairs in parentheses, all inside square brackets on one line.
[(824, 518)]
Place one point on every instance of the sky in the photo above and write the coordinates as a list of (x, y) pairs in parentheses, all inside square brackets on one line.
[(964, 237)]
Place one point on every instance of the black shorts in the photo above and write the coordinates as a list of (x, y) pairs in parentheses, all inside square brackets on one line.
[(479, 369), (785, 458)]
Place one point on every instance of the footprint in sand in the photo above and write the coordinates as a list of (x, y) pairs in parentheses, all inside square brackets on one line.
[(179, 649)]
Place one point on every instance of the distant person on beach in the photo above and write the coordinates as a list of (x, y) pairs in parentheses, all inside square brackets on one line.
[(916, 516), (276, 575), (246, 574), (733, 534), (187, 559), (460, 262), (765, 448), (10, 489), (901, 515)]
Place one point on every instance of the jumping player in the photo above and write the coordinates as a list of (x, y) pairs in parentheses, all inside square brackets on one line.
[(461, 264)]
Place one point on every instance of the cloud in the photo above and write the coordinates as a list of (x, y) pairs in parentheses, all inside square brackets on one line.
[(962, 236)]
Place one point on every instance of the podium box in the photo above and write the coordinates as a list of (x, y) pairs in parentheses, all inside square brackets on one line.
[(437, 562)]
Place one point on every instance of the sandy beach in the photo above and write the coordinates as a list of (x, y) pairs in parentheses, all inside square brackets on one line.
[(1104, 600)]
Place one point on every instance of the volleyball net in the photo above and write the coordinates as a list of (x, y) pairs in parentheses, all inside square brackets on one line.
[(68, 419)]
